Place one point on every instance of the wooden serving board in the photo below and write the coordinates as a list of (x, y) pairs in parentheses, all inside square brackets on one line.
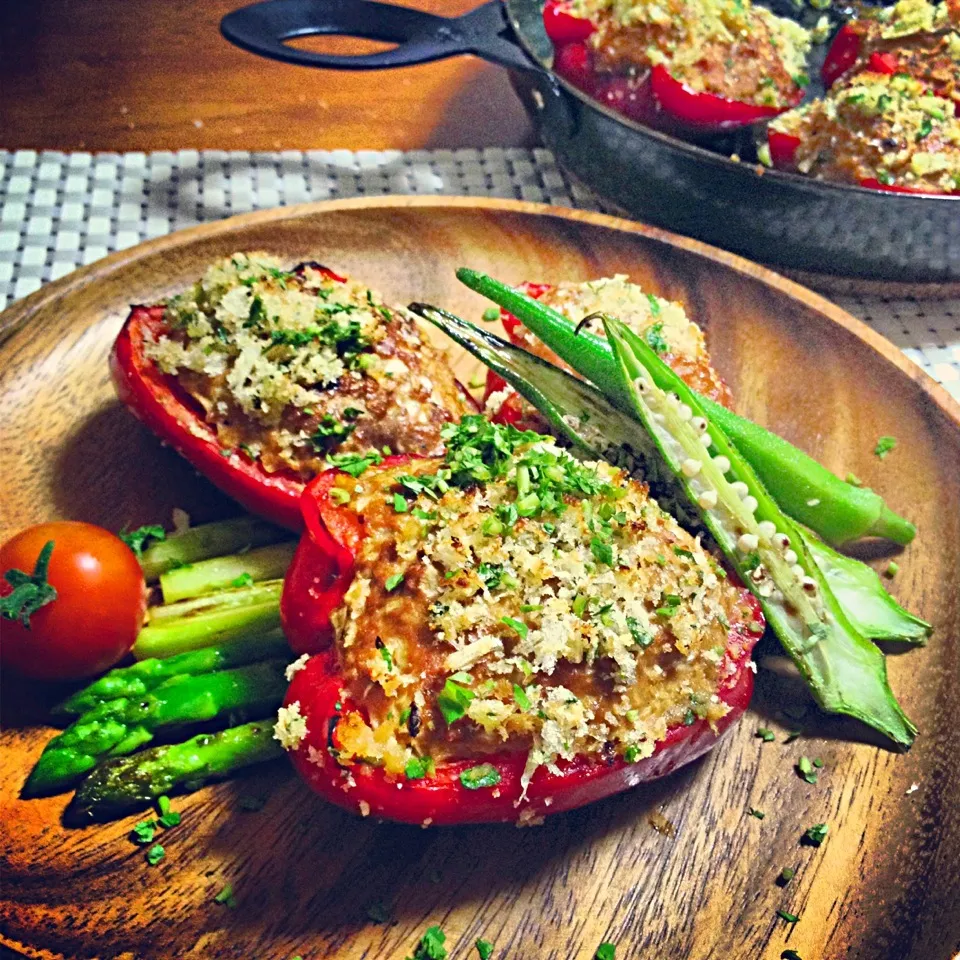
[(307, 877)]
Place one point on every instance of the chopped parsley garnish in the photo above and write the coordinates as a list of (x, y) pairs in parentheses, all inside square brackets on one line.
[(330, 433), (892, 568), (484, 949), (386, 656), (140, 538), (484, 775), (244, 580), (606, 951), (805, 770), (225, 896), (144, 832), (520, 697), (754, 812), (491, 314), (642, 638), (354, 463), (816, 834), (393, 582), (926, 128), (884, 446), (767, 736), (654, 305), (786, 875), (654, 338), (602, 552), (31, 591), (491, 574), (170, 819), (453, 701), (518, 626), (339, 496), (689, 718), (671, 604), (155, 854), (431, 945), (789, 917), (400, 503), (681, 552), (631, 754), (790, 955), (418, 767)]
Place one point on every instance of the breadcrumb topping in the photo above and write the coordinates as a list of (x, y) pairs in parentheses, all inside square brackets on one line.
[(552, 608)]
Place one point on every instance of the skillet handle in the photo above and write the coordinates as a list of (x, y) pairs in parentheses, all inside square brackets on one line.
[(423, 37)]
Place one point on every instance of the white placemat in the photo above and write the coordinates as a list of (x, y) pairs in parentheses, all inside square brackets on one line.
[(59, 211)]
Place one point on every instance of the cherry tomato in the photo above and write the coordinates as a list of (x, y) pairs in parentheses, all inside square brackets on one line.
[(101, 599)]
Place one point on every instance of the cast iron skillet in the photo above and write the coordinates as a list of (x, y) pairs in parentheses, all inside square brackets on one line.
[(777, 218)]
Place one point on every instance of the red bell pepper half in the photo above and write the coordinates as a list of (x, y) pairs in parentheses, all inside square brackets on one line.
[(783, 153), (321, 572), (658, 99), (168, 410), (163, 406)]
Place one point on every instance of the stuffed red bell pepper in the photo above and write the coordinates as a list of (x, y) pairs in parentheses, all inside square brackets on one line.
[(502, 633), (663, 323), (912, 36), (260, 375), (877, 130), (684, 66)]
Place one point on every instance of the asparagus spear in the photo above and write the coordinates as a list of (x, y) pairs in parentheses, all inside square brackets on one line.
[(141, 678), (254, 613), (219, 573), (121, 784), (119, 726), (208, 540)]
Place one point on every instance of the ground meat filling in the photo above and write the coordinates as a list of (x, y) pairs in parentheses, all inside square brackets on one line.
[(922, 37), (730, 48), (663, 323), (292, 366), (882, 127), (553, 608)]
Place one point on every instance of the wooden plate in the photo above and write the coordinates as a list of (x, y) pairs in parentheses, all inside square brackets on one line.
[(307, 877)]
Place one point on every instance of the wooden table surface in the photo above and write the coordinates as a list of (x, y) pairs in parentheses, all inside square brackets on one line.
[(115, 75)]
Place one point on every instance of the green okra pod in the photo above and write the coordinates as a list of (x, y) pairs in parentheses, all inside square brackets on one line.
[(122, 784), (845, 672), (579, 413), (120, 726), (804, 489)]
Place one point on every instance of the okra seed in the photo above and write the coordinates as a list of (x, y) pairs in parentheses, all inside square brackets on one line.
[(698, 423), (750, 503), (790, 557), (684, 412), (739, 488), (798, 571), (782, 541), (767, 529), (707, 500), (722, 464), (748, 542), (640, 384), (766, 589), (809, 585), (690, 467), (705, 439)]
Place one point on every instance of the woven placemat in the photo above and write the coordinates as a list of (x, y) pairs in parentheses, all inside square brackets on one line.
[(59, 211)]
